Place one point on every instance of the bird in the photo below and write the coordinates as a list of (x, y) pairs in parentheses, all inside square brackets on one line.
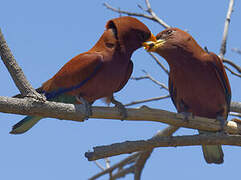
[(198, 83), (97, 73)]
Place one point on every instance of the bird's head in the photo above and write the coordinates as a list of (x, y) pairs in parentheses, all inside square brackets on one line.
[(129, 32), (172, 42)]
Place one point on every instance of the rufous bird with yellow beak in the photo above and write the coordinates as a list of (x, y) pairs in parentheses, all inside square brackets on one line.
[(198, 83), (97, 73)]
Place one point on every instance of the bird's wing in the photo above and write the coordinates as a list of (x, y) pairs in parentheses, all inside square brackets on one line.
[(172, 90), (217, 65), (73, 74)]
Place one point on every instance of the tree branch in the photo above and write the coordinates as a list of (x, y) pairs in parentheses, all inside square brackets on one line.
[(235, 107), (238, 68), (232, 72), (147, 100), (143, 157), (99, 165), (148, 76), (16, 72), (225, 31), (235, 114), (116, 166), (152, 15), (142, 145), (75, 112), (123, 172), (140, 157), (159, 63)]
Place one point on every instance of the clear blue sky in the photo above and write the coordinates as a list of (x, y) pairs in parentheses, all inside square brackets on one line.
[(44, 35)]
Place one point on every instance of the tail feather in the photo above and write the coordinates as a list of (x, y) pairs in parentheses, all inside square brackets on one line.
[(25, 124), (212, 153)]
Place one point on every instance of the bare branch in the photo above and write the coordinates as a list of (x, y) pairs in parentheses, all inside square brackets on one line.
[(152, 15), (76, 113), (235, 114), (123, 172), (118, 165), (225, 31), (238, 68), (99, 165), (232, 72), (235, 107), (16, 72), (147, 100), (107, 162), (156, 18), (159, 63), (148, 76), (140, 163), (142, 145), (143, 157)]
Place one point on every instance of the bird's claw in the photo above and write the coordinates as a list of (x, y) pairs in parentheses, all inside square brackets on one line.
[(186, 116), (88, 111), (121, 108), (87, 107), (222, 121)]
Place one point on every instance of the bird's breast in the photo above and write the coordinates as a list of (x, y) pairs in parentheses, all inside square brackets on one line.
[(199, 88)]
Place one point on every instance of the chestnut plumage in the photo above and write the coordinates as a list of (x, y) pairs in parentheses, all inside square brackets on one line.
[(197, 81), (97, 73)]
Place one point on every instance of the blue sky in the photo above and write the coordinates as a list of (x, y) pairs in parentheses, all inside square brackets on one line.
[(44, 35)]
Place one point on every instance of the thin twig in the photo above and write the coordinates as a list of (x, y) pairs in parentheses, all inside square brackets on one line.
[(159, 63), (235, 107), (107, 162), (235, 114), (148, 76), (143, 157), (232, 72), (100, 152), (152, 15), (155, 17), (238, 68), (225, 31), (16, 72), (118, 165), (99, 165), (147, 100), (123, 172)]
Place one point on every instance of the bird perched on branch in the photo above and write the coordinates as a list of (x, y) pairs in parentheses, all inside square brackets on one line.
[(97, 73), (198, 83)]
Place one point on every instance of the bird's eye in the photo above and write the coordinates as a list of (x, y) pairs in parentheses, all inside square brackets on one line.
[(168, 32), (109, 45)]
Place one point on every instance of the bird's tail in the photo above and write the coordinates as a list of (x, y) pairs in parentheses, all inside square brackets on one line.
[(25, 124), (212, 153)]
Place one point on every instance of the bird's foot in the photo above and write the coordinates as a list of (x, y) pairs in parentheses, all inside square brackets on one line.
[(121, 108), (223, 122), (87, 106), (186, 116)]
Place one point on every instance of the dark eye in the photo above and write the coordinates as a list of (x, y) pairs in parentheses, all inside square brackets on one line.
[(168, 32), (109, 45)]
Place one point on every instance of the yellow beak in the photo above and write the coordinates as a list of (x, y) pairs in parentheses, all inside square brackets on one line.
[(151, 46)]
